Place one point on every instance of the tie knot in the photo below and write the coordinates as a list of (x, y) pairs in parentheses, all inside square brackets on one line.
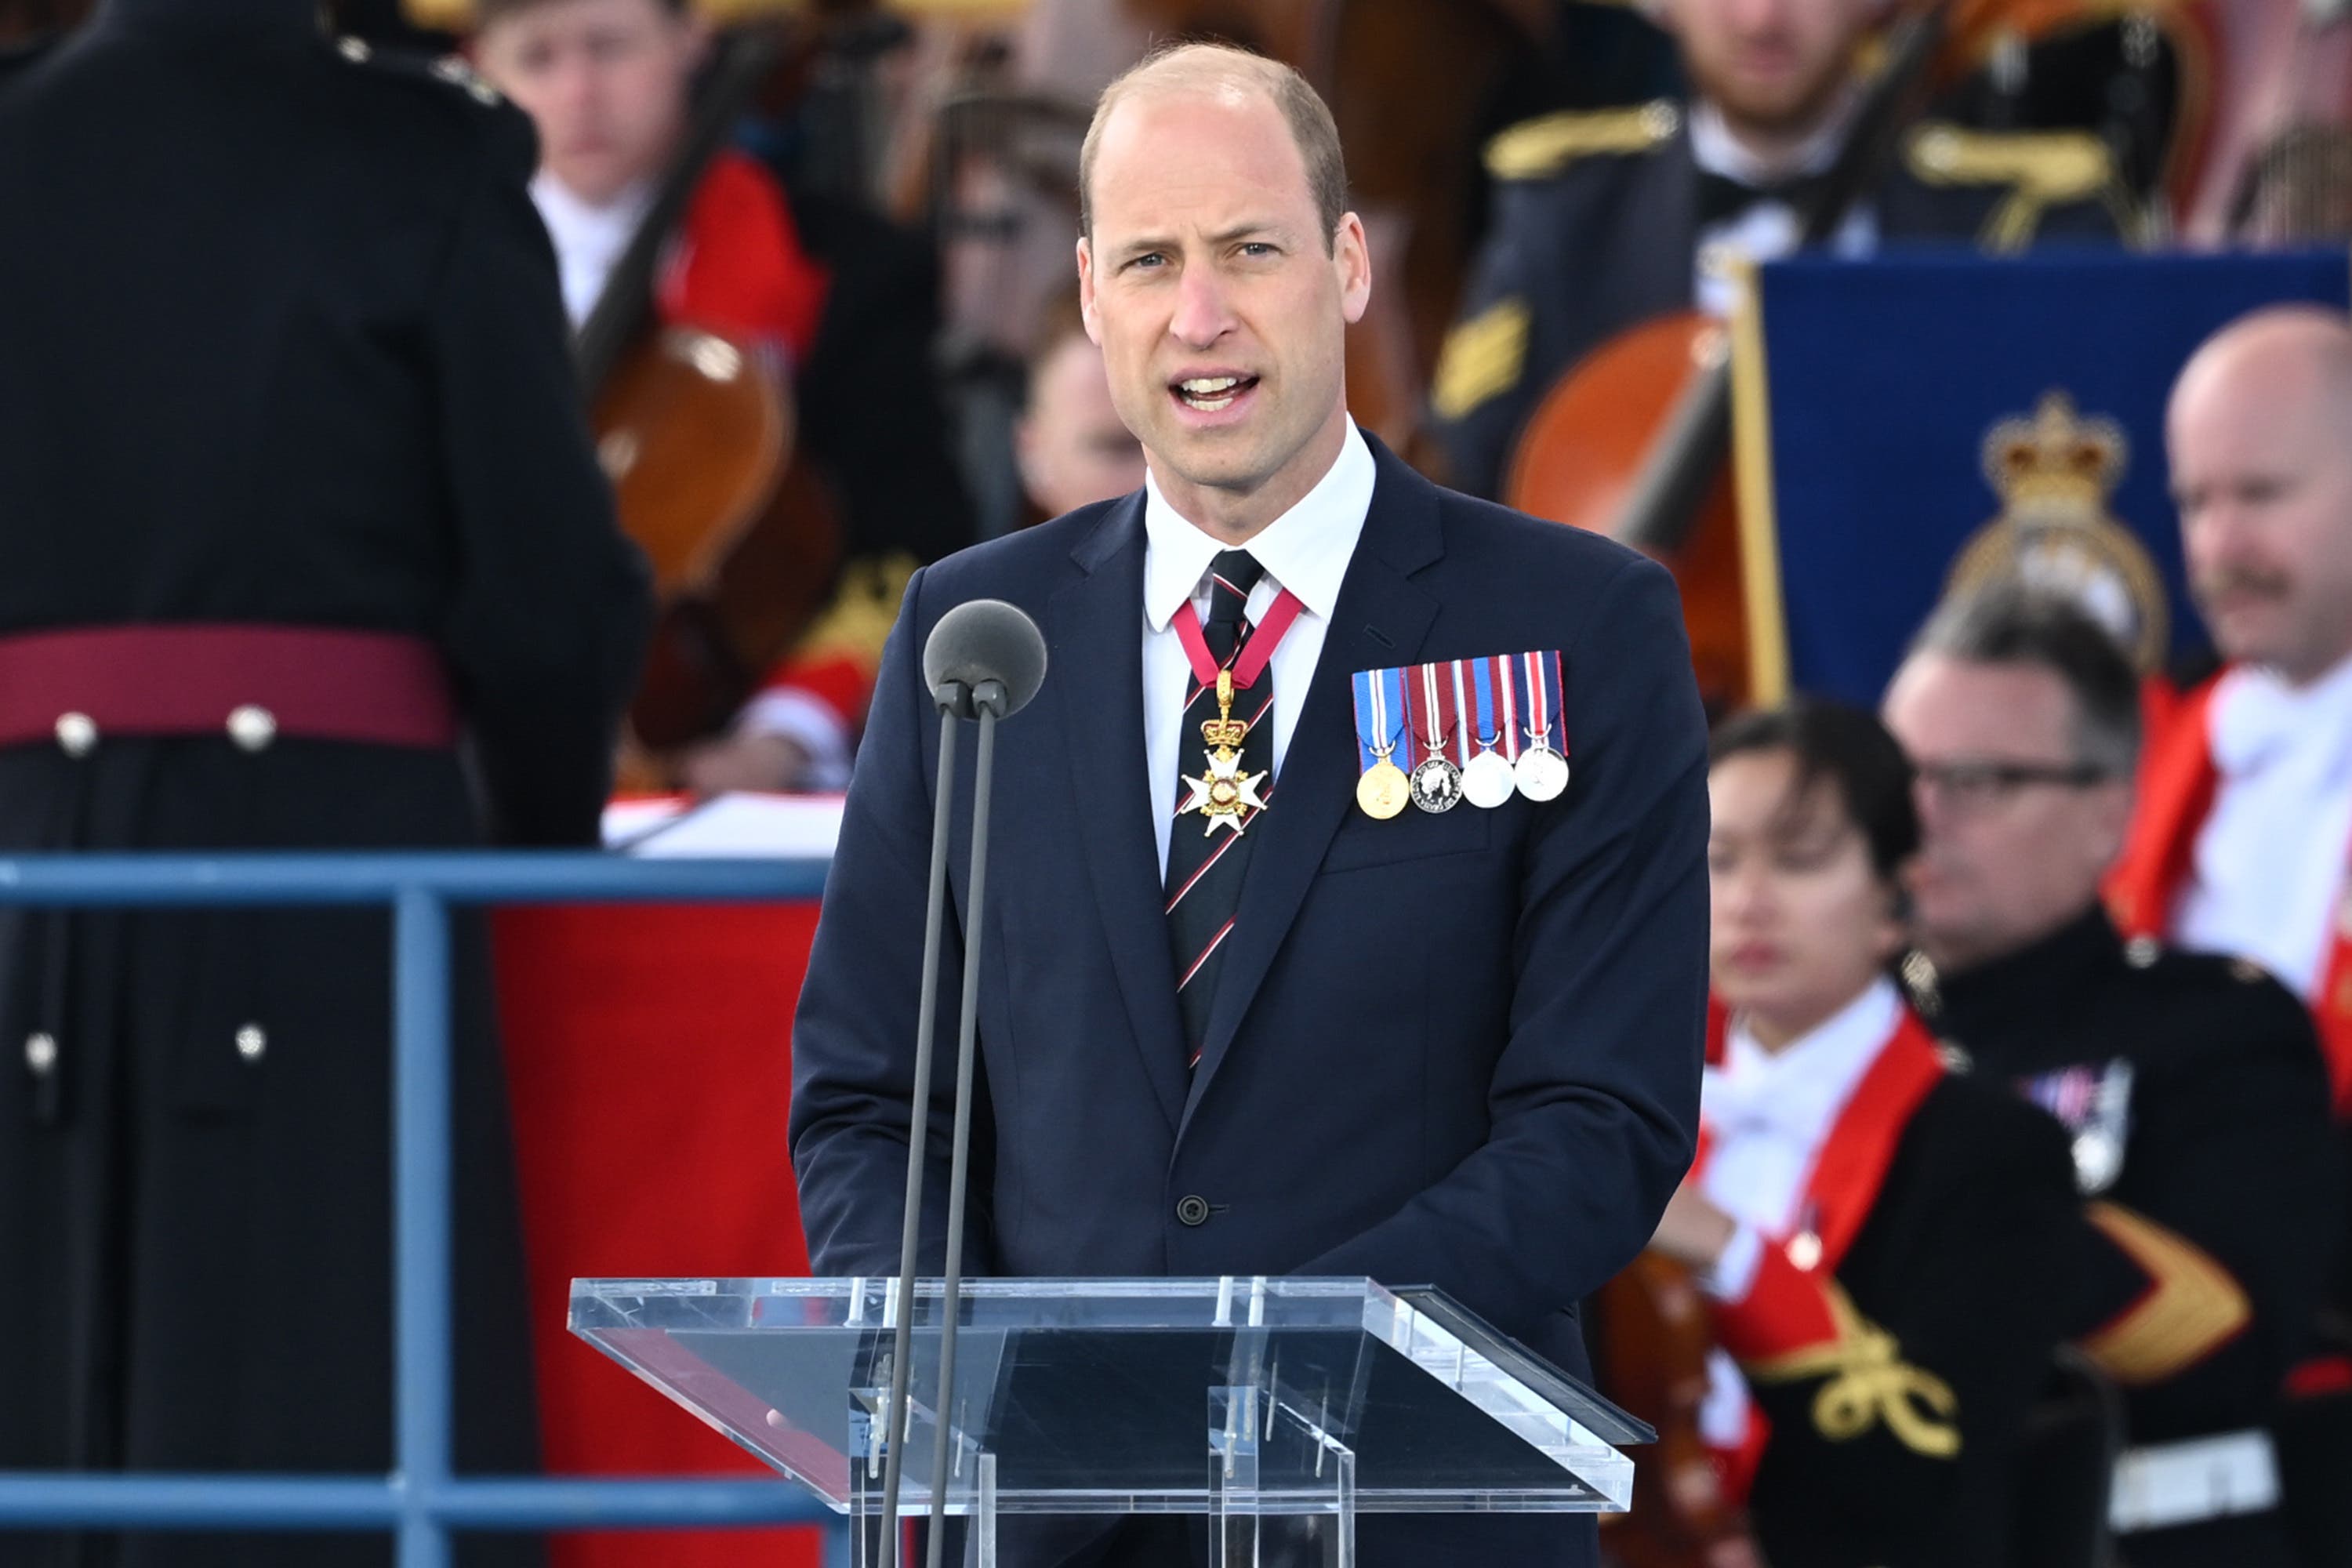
[(1232, 576)]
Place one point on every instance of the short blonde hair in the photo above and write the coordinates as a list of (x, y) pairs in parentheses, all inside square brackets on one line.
[(1214, 67)]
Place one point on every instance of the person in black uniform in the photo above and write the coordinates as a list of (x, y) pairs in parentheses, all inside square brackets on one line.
[(302, 545), (1602, 218), (1866, 1225), (2192, 1085)]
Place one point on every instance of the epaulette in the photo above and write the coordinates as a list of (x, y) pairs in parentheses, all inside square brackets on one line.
[(448, 69), (1540, 148), (2041, 169)]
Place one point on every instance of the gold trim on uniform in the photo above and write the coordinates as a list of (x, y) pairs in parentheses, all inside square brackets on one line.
[(2042, 169), (1540, 148), (1482, 358), (2193, 1308), (1869, 1384)]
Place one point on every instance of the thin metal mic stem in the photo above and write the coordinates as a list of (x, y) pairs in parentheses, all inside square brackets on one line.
[(990, 697), (918, 1134)]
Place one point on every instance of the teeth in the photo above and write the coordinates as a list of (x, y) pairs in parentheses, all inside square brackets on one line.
[(1210, 386)]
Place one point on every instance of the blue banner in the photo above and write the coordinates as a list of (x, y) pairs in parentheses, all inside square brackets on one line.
[(1916, 411)]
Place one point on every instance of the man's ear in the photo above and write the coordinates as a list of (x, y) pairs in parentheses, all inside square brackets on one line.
[(1352, 255), (1087, 292)]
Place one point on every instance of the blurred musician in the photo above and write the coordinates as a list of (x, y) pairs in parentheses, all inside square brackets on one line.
[(606, 83), (1072, 450), (1070, 442), (2191, 1085), (1869, 1227), (1603, 218), (303, 545), (2245, 826)]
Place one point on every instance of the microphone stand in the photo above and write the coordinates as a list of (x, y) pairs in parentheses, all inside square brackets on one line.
[(987, 702)]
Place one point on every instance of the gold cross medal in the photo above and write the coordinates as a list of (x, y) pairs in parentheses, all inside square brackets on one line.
[(1227, 796)]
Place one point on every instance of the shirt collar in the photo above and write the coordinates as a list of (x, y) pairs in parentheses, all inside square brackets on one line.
[(1306, 550), (1716, 151), (1800, 1089), (2259, 719)]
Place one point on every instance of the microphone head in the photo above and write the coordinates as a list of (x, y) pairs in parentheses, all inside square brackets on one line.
[(984, 640)]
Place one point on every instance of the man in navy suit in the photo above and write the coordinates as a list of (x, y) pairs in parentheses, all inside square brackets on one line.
[(1452, 1046)]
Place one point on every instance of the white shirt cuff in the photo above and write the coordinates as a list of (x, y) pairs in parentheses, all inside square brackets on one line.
[(1734, 1274), (807, 721)]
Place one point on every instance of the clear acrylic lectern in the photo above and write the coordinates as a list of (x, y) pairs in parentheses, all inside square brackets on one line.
[(1275, 1406)]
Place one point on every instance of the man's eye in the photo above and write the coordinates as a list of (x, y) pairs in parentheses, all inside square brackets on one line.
[(1149, 259), (1256, 249)]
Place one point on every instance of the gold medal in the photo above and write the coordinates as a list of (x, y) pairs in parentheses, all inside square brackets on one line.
[(1384, 791)]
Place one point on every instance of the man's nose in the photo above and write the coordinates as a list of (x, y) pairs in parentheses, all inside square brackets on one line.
[(1202, 313)]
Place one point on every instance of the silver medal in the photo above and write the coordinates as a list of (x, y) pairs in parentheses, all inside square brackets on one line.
[(1486, 782), (1437, 784), (1541, 773)]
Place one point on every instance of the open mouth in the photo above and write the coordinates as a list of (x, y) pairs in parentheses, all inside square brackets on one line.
[(1212, 394)]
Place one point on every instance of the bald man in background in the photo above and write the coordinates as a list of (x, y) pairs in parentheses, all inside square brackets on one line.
[(2243, 834)]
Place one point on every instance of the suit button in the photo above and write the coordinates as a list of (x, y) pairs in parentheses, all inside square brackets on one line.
[(252, 727), (1192, 1210), (41, 1053)]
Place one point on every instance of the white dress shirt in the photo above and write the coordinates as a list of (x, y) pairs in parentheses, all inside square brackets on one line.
[(588, 239), (1769, 1114), (2270, 861), (1767, 230), (1306, 550)]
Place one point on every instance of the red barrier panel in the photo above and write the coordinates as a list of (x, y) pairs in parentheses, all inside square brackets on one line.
[(650, 1054)]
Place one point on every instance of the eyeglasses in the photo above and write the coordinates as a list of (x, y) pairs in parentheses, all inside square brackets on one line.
[(1976, 784)]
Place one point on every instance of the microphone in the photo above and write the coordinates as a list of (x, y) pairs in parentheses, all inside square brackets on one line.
[(983, 660), (979, 642)]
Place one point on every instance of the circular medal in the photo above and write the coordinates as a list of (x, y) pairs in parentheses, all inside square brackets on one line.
[(1486, 782), (1384, 790), (1437, 784), (1541, 773)]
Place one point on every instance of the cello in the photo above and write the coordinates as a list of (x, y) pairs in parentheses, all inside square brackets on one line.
[(696, 436)]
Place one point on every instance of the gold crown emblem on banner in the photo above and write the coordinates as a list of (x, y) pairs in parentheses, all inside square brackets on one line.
[(2055, 459), (2055, 470)]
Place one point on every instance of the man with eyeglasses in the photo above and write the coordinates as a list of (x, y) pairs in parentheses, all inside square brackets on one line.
[(2192, 1084)]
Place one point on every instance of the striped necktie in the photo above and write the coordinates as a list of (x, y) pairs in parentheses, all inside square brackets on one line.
[(1208, 855)]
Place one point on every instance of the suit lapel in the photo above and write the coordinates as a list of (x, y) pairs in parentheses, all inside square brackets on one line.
[(1096, 643), (1379, 622)]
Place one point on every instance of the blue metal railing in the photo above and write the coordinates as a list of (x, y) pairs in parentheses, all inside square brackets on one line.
[(421, 1501)]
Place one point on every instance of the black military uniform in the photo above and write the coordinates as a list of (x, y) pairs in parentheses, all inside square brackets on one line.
[(288, 427), (1597, 221), (1895, 1369), (2194, 1090)]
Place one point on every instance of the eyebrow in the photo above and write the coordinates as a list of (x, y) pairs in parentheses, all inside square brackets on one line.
[(1144, 244)]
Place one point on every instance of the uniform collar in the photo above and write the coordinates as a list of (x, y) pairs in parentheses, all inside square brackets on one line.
[(1306, 550), (1798, 1091), (1966, 1003)]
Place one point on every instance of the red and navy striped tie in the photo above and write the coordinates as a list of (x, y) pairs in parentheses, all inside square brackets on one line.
[(1205, 859)]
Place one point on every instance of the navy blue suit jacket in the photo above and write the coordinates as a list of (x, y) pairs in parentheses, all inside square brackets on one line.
[(1459, 1049)]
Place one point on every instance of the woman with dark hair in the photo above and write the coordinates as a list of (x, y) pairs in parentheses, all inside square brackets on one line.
[(1869, 1228)]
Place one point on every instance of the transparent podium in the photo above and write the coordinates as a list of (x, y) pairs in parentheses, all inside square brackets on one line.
[(1280, 1408)]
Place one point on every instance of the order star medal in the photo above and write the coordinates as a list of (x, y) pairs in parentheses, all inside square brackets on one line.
[(1223, 794)]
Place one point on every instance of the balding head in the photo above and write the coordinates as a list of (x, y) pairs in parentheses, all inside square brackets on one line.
[(2260, 437), (1221, 70)]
